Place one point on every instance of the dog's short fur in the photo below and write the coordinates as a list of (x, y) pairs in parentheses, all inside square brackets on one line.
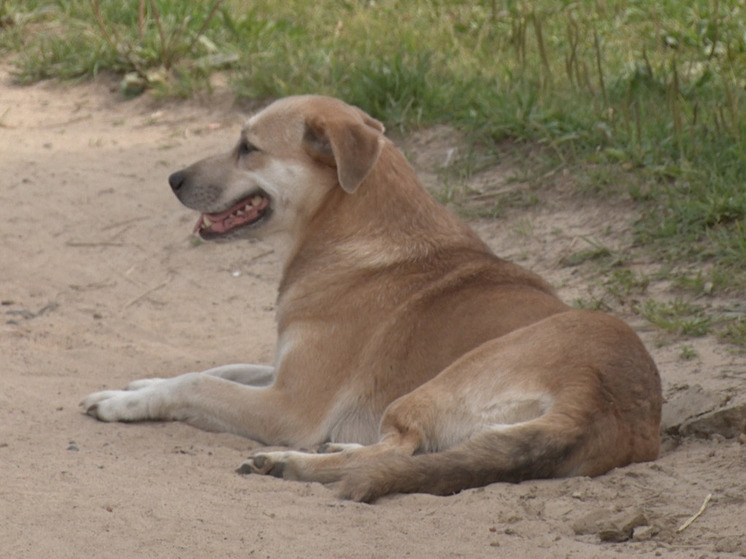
[(397, 328)]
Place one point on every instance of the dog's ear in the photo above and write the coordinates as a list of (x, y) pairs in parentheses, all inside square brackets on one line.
[(350, 144)]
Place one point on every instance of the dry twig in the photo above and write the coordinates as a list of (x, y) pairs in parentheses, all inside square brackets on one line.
[(148, 292), (686, 524)]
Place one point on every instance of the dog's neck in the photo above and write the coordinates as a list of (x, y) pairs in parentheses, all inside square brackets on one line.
[(390, 220)]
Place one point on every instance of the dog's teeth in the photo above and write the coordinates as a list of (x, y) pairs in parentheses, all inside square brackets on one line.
[(206, 221), (256, 200)]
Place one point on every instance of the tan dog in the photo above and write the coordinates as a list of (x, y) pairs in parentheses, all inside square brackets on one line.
[(397, 328)]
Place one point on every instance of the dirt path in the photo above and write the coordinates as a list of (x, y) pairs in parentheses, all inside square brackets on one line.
[(100, 284)]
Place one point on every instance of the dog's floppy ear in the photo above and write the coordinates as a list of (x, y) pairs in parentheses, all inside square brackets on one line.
[(350, 144)]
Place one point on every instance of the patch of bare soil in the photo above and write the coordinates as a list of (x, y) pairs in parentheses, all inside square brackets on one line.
[(101, 284)]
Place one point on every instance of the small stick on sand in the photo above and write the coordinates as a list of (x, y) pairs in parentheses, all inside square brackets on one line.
[(148, 292), (686, 524)]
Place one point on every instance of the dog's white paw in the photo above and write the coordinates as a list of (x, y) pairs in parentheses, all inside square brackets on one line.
[(265, 463), (116, 405), (90, 402), (121, 405)]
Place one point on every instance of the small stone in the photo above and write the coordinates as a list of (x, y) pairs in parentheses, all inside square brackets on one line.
[(613, 535), (609, 526), (591, 522), (729, 545), (157, 78), (686, 404), (643, 533), (728, 422), (132, 84)]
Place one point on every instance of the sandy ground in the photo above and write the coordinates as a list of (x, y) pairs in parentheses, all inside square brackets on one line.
[(101, 283)]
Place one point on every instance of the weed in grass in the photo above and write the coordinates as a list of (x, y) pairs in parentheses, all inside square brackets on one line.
[(687, 353), (618, 287), (701, 283), (586, 255), (677, 317), (495, 204), (524, 228), (596, 252), (735, 332), (518, 198), (623, 282), (449, 192), (591, 303)]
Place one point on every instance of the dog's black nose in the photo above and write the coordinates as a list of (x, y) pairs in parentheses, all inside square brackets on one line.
[(177, 180)]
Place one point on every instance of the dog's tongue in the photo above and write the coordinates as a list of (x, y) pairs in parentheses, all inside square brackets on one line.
[(214, 221), (222, 215), (239, 214)]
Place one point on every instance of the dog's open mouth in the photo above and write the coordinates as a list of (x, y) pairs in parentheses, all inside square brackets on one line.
[(246, 212)]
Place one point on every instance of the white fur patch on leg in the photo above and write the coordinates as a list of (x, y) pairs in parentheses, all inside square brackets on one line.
[(329, 448), (143, 383)]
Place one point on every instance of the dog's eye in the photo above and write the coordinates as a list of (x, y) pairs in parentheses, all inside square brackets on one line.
[(245, 148)]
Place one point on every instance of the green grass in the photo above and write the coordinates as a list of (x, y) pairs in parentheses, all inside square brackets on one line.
[(687, 353), (677, 317), (596, 252), (689, 314), (638, 99), (735, 332)]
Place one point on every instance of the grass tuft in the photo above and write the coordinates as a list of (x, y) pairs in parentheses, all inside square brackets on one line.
[(677, 317)]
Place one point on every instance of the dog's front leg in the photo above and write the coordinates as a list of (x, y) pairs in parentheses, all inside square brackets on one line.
[(252, 375), (211, 402), (243, 373)]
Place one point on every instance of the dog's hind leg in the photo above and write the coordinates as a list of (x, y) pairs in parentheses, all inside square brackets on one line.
[(334, 462), (330, 448)]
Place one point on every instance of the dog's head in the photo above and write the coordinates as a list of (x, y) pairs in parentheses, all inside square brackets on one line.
[(289, 156)]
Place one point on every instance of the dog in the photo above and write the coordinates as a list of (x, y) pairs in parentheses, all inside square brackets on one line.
[(409, 355)]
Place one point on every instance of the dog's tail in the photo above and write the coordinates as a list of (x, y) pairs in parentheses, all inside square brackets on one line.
[(511, 454)]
